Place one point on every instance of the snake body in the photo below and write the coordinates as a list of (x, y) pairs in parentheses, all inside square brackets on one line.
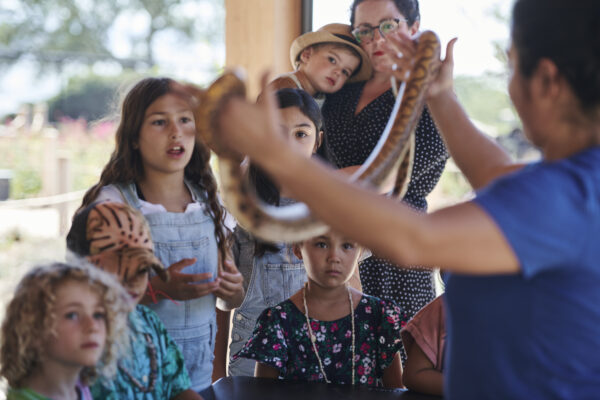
[(394, 152)]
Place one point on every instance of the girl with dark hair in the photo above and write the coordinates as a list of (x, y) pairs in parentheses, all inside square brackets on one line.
[(158, 168), (271, 271), (356, 116), (522, 297)]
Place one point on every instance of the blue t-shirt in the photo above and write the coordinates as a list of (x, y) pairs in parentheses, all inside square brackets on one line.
[(534, 335)]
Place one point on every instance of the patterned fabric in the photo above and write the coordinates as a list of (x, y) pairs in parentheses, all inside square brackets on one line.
[(172, 377), (281, 340), (349, 140)]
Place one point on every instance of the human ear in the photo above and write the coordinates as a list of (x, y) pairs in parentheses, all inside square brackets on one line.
[(297, 252), (414, 28), (548, 77), (318, 141), (306, 54), (546, 84)]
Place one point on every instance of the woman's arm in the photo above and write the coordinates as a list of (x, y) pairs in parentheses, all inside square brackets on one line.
[(386, 185), (264, 371), (420, 374), (462, 238), (392, 376)]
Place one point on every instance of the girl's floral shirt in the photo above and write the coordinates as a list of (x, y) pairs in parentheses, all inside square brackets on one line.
[(281, 340)]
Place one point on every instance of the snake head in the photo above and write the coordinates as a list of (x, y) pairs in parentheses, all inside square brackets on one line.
[(208, 104)]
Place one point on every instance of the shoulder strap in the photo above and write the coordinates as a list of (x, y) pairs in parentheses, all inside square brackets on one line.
[(129, 194)]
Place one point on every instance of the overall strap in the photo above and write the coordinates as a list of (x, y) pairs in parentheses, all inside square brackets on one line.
[(129, 194), (199, 195)]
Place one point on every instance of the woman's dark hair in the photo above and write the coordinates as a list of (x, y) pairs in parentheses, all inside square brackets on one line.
[(408, 8), (568, 34), (265, 188), (125, 164)]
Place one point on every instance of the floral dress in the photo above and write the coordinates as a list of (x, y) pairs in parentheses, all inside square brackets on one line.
[(281, 340)]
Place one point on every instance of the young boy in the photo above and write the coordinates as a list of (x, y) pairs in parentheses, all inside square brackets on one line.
[(325, 60), (116, 238)]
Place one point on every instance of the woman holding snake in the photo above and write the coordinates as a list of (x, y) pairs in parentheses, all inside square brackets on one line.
[(356, 116), (522, 295)]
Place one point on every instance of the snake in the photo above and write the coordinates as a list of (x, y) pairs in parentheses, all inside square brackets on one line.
[(295, 223)]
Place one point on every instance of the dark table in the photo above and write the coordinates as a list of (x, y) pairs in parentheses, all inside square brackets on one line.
[(247, 388)]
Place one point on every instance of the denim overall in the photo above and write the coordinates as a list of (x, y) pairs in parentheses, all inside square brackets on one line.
[(191, 323), (274, 277)]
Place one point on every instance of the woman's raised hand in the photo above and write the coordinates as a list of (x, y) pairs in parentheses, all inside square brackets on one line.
[(252, 129), (402, 49), (444, 80)]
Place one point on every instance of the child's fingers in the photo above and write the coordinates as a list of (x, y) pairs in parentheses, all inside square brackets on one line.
[(200, 289), (229, 266), (230, 284), (190, 278), (181, 264)]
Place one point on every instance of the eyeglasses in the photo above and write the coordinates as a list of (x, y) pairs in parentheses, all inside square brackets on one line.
[(365, 33)]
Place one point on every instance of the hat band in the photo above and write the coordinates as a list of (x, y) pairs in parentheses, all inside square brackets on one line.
[(347, 38)]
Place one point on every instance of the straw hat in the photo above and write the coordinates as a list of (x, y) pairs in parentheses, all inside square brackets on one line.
[(333, 33)]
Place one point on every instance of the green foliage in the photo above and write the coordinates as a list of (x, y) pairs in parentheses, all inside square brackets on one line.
[(59, 32), (26, 182), (89, 98), (486, 100)]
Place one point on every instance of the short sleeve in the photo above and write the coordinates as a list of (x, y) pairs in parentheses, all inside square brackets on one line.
[(542, 212), (388, 333), (267, 343), (174, 374), (109, 193), (426, 329)]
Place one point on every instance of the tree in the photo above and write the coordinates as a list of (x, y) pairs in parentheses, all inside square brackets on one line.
[(56, 32), (90, 97)]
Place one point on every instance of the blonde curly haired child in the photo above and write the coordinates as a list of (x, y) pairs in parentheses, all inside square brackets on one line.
[(65, 326)]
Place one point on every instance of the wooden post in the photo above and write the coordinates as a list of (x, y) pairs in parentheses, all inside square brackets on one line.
[(49, 166), (258, 35), (64, 186)]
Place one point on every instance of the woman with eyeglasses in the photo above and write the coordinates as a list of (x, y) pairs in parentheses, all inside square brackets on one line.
[(356, 116)]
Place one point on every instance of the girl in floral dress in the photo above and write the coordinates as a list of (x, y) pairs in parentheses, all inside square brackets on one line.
[(328, 331)]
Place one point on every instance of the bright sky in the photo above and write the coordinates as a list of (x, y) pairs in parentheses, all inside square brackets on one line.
[(472, 21)]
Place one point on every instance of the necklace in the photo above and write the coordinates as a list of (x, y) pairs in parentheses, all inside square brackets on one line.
[(153, 368), (313, 338)]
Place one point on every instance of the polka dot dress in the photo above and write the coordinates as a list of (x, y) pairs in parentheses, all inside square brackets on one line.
[(349, 140)]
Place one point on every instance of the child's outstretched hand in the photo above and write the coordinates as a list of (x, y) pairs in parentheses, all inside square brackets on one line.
[(231, 289), (181, 286)]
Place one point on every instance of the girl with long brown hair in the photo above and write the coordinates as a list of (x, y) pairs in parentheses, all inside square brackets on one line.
[(158, 168)]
